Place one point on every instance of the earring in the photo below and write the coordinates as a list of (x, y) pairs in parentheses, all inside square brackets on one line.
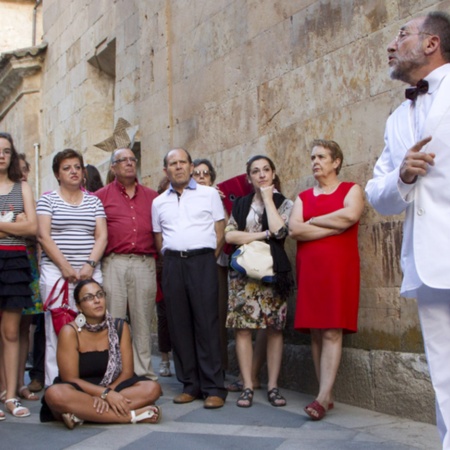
[(80, 320)]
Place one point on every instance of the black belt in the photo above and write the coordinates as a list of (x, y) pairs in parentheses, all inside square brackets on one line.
[(188, 253)]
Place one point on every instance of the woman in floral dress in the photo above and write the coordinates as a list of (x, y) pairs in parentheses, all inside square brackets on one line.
[(253, 304)]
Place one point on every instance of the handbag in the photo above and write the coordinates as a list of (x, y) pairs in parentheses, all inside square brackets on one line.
[(61, 315), (255, 261)]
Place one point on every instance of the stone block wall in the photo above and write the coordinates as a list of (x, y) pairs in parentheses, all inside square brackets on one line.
[(16, 23)]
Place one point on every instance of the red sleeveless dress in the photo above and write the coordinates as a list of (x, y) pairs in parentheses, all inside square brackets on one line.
[(327, 270)]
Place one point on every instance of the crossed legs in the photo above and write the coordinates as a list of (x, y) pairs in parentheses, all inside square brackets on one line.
[(64, 398)]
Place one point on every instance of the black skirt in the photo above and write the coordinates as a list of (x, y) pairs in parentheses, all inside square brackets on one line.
[(15, 279)]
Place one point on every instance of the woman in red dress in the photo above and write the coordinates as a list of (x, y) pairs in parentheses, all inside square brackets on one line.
[(324, 221)]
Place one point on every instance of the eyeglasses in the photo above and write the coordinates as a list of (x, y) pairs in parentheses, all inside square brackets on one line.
[(402, 34), (91, 297), (130, 159), (197, 173)]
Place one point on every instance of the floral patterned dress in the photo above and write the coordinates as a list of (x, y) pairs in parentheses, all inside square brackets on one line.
[(252, 303)]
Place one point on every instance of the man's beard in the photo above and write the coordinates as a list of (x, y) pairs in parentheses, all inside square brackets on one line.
[(407, 64)]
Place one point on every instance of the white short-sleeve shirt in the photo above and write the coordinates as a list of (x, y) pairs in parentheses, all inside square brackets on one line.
[(187, 221)]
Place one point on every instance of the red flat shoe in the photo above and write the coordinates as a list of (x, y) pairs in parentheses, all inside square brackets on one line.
[(315, 410)]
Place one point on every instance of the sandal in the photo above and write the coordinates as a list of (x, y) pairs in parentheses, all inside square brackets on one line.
[(2, 415), (18, 408), (315, 410), (275, 398), (3, 396), (31, 395), (151, 415), (245, 400), (164, 369), (235, 386), (71, 420)]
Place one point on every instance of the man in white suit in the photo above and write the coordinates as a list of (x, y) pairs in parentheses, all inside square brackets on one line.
[(413, 175)]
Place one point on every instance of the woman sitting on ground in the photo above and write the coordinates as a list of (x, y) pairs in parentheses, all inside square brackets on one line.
[(95, 359)]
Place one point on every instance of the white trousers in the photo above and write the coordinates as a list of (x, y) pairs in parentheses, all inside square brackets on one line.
[(434, 313), (49, 276)]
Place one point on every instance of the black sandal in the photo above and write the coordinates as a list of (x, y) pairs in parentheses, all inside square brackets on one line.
[(246, 396), (275, 397)]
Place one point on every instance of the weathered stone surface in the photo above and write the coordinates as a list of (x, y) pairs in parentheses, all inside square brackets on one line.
[(402, 386), (17, 26)]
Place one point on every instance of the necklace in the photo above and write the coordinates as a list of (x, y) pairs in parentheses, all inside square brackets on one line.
[(328, 189)]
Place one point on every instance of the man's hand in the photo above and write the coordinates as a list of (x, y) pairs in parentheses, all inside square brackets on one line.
[(415, 162)]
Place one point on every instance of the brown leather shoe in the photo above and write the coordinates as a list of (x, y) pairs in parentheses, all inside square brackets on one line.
[(35, 386), (213, 402), (184, 398)]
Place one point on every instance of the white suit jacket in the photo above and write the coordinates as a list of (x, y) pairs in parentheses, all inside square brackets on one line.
[(426, 233)]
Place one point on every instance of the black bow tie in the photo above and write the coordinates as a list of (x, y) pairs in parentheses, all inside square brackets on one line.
[(413, 92)]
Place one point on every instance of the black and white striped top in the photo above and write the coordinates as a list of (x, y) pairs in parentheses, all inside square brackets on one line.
[(73, 226), (13, 201)]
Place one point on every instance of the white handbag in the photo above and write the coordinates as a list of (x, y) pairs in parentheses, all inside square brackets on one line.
[(255, 261)]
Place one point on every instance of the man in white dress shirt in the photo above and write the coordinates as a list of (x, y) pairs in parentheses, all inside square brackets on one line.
[(413, 175), (188, 222)]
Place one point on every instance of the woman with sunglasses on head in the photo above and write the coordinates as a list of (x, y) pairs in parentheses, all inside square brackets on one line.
[(254, 304), (17, 220), (96, 379), (73, 235)]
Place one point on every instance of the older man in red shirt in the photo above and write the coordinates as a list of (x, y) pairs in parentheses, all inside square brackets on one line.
[(128, 267)]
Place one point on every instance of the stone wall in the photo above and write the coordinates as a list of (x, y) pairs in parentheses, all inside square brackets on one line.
[(23, 122), (16, 23), (228, 79)]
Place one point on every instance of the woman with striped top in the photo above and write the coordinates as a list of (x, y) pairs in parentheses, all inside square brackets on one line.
[(17, 219), (72, 232)]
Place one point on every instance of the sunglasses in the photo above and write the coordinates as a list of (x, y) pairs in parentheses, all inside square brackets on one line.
[(197, 173)]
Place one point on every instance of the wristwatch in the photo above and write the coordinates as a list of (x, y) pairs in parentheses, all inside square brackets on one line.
[(91, 262), (105, 393)]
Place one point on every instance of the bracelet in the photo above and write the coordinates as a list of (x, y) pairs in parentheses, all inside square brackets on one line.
[(105, 393)]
